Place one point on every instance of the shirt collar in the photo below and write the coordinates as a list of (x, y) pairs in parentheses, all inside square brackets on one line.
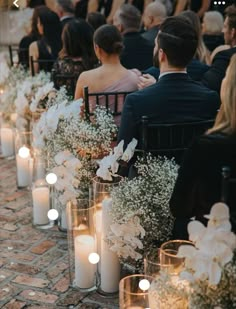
[(172, 72)]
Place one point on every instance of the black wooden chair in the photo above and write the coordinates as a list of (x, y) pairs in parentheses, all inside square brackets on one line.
[(44, 64), (169, 139), (110, 100), (67, 80), (22, 55)]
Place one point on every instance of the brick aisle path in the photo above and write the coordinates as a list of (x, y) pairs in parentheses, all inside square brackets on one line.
[(33, 263)]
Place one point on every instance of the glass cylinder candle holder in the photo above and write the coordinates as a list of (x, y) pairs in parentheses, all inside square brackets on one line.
[(133, 292), (168, 255), (109, 265), (24, 157), (7, 134), (40, 195), (83, 257)]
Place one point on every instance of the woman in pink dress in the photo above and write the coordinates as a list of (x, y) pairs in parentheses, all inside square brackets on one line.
[(111, 76)]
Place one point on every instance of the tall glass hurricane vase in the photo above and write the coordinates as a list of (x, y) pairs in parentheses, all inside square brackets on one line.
[(109, 266), (83, 257), (24, 158), (40, 195)]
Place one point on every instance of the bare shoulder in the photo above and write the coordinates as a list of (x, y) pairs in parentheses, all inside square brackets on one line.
[(33, 49)]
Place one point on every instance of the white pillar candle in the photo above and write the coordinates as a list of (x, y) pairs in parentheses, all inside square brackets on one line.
[(23, 171), (41, 205), (7, 142), (84, 270), (110, 265)]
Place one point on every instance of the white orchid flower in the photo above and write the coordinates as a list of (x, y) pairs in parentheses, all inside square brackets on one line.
[(219, 215), (196, 230), (118, 150), (129, 151), (63, 156), (73, 164)]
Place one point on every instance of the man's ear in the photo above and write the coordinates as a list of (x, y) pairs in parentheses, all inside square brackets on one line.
[(162, 55), (233, 33)]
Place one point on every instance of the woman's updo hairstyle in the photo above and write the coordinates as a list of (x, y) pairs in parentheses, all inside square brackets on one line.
[(109, 39)]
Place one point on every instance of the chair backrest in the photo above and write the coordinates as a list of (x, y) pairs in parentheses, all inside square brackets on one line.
[(169, 139), (22, 55), (44, 64), (67, 79), (112, 101)]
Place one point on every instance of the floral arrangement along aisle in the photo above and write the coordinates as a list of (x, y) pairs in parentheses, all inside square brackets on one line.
[(210, 265), (140, 210), (72, 145)]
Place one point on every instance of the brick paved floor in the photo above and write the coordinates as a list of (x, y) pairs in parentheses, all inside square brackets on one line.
[(33, 263)]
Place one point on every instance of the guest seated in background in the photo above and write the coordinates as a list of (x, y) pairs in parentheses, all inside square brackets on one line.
[(27, 40), (111, 76), (212, 27), (65, 11), (77, 54), (199, 182), (49, 44), (153, 16), (137, 51), (214, 76), (175, 97), (196, 68), (96, 19), (202, 53)]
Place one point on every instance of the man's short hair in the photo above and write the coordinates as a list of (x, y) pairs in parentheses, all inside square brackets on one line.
[(129, 16), (66, 5), (230, 12), (178, 39)]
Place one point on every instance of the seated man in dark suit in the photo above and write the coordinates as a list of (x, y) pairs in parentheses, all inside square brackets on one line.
[(175, 97), (154, 14), (214, 76), (65, 11), (137, 51)]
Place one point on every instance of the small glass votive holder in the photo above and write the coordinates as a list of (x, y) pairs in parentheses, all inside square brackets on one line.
[(83, 257), (133, 292), (24, 158), (153, 265), (168, 255)]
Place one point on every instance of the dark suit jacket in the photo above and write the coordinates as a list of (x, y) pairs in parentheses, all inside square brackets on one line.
[(137, 53), (66, 20), (198, 185), (213, 77), (195, 69), (150, 35), (174, 98)]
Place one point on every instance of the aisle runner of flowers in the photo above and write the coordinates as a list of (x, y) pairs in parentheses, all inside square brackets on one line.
[(76, 151)]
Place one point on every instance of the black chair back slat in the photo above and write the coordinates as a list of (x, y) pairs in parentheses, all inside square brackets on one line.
[(103, 99), (46, 63), (21, 53), (167, 139)]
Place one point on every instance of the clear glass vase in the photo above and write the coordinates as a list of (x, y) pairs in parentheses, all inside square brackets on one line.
[(109, 266), (40, 195), (83, 256), (133, 292), (24, 158), (7, 140)]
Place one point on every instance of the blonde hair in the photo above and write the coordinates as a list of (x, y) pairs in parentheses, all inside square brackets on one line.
[(226, 117), (213, 21)]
